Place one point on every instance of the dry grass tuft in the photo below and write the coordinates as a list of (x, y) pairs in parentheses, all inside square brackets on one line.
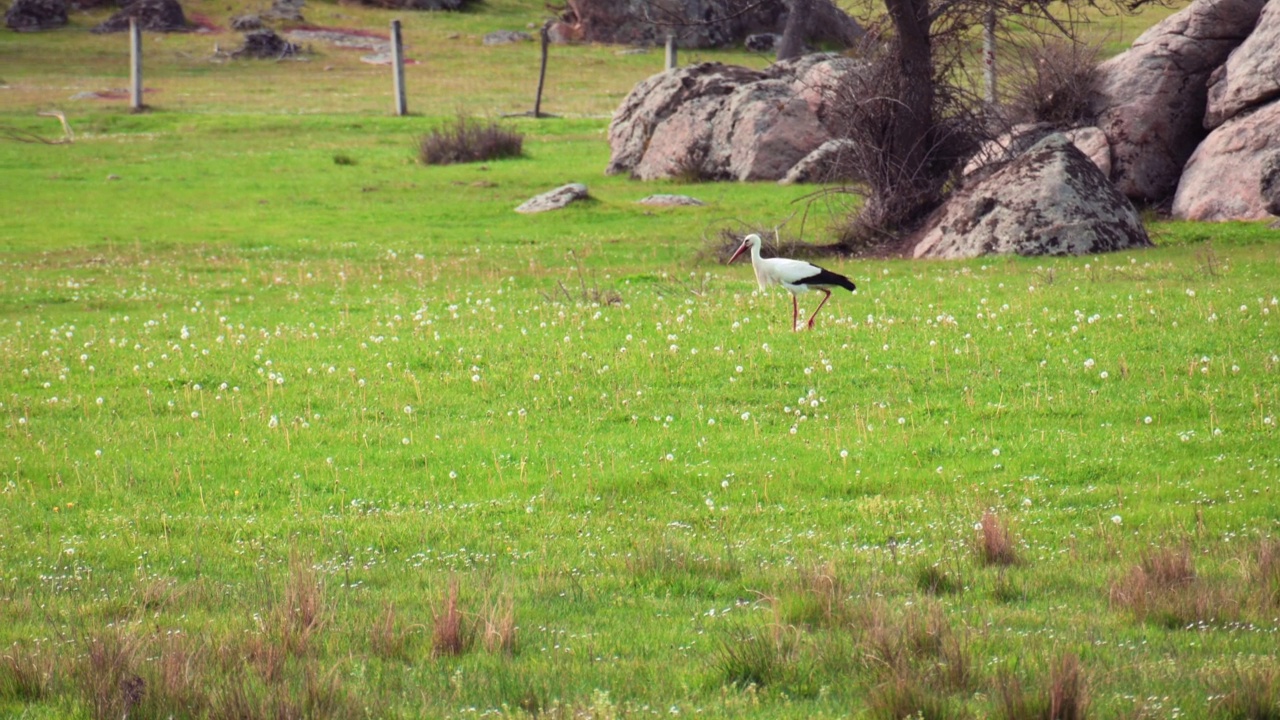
[(1265, 574), (1065, 695), (467, 140), (906, 696), (301, 612), (26, 675), (995, 544), (108, 677), (754, 658), (1165, 590), (451, 636), (1068, 691), (386, 638), (1248, 694), (914, 647), (933, 579), (500, 627)]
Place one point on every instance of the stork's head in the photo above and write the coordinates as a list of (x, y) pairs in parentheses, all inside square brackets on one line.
[(747, 242)]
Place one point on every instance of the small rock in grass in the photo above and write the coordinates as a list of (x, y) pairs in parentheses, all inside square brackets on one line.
[(662, 200), (554, 199)]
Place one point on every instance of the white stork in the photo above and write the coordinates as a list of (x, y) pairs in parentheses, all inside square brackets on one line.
[(796, 276)]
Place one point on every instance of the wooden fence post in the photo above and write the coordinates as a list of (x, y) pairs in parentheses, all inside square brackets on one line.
[(135, 65), (671, 51), (397, 65), (545, 34)]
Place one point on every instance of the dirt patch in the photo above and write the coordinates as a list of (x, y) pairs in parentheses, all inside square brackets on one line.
[(112, 94)]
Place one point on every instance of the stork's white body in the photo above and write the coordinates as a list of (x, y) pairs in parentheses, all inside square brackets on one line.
[(797, 276)]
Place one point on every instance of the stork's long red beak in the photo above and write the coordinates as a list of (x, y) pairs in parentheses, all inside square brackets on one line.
[(741, 249)]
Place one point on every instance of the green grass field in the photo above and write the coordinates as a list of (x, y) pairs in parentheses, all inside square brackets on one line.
[(297, 427)]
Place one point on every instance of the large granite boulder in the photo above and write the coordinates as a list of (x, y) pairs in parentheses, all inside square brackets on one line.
[(657, 99), (831, 162), (152, 16), (1150, 100), (717, 121), (35, 15), (997, 152), (1251, 75), (696, 23), (762, 130), (1270, 185), (1051, 200), (1222, 179)]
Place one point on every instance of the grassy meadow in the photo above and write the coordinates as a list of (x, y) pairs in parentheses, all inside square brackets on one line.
[(294, 426)]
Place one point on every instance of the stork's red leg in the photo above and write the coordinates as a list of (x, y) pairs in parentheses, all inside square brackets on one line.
[(824, 302), (795, 312)]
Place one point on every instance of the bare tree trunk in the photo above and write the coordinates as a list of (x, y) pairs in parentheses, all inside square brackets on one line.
[(797, 29), (913, 128)]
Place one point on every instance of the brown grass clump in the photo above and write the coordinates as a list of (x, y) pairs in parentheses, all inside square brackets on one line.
[(108, 677), (26, 675), (467, 140), (500, 627), (995, 544), (916, 648), (1265, 574), (1064, 697), (301, 612), (451, 636), (1248, 694), (1164, 589), (386, 637)]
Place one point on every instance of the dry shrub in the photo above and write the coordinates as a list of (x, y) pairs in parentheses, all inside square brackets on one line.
[(1051, 82), (901, 184), (995, 545), (451, 636), (721, 246), (467, 140), (26, 675)]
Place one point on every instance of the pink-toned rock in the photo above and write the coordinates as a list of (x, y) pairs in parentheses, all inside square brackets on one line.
[(818, 78), (659, 97), (995, 153), (1051, 200), (718, 121), (763, 130), (1223, 179), (1251, 76), (1150, 100), (680, 143)]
